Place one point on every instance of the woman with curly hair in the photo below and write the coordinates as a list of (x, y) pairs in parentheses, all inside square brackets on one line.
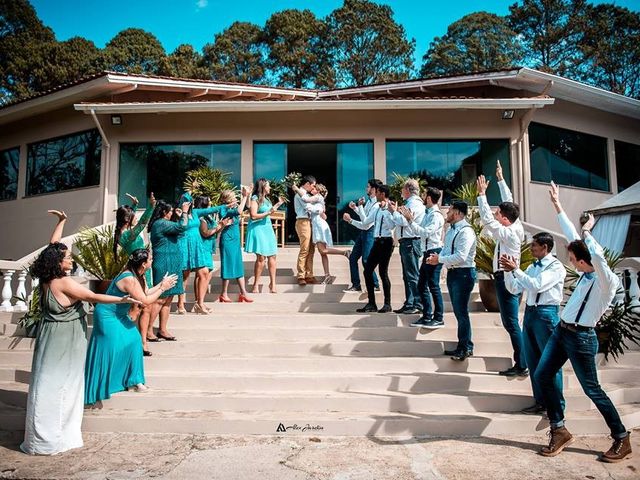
[(56, 390)]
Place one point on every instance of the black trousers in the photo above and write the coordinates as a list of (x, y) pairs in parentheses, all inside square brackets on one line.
[(379, 256)]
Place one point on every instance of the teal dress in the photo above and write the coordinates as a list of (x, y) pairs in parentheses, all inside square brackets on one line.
[(195, 252), (114, 356), (167, 254), (132, 240), (261, 239), (210, 243), (231, 265)]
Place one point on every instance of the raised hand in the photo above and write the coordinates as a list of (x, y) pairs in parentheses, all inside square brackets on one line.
[(352, 206), (508, 263), (152, 200), (554, 193), (58, 213), (588, 225), (185, 207), (499, 176), (482, 184), (168, 281), (346, 217), (361, 201), (393, 206), (134, 200)]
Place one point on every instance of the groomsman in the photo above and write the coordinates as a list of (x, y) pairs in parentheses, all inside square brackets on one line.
[(458, 255), (430, 231), (303, 229), (380, 254), (542, 281), (364, 241), (575, 339), (410, 245), (508, 232)]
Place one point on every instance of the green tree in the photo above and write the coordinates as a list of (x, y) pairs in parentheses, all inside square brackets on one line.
[(610, 43), (296, 42), (477, 42), (237, 54), (25, 43), (549, 31), (184, 62), (367, 45), (69, 60), (134, 51)]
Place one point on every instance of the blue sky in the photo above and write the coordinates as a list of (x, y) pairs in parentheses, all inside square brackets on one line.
[(197, 21)]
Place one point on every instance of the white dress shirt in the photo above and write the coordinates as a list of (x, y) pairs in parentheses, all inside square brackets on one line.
[(300, 205), (545, 278), (406, 230), (602, 285), (431, 227), (363, 211), (463, 253), (381, 220), (508, 238)]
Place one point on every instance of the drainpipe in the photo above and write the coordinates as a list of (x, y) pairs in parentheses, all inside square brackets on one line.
[(107, 162)]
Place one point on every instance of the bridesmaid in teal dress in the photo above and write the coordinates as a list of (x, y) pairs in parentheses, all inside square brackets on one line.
[(114, 356), (128, 235), (196, 257), (167, 257), (231, 265), (261, 239)]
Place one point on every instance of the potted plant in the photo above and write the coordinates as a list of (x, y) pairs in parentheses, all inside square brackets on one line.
[(94, 253)]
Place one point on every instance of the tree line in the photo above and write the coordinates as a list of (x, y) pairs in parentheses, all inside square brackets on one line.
[(358, 43)]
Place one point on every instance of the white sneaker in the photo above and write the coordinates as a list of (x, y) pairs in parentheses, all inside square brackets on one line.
[(139, 388)]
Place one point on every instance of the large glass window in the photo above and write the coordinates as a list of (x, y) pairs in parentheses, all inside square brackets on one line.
[(9, 160), (64, 163), (449, 164), (269, 160), (162, 168), (568, 158), (627, 164)]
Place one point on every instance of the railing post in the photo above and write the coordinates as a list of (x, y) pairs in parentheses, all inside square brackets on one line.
[(7, 292), (620, 293), (21, 292), (634, 288)]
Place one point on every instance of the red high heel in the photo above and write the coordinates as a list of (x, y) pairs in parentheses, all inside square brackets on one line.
[(223, 299), (244, 299)]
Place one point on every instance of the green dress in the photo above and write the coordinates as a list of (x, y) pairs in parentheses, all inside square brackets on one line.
[(261, 239), (231, 265), (167, 254), (132, 240), (55, 402), (195, 252), (114, 356)]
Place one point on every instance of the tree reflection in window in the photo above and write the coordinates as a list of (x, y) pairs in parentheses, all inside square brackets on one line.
[(64, 163), (9, 161)]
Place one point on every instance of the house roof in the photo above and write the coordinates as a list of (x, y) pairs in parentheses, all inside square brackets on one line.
[(191, 91), (628, 199)]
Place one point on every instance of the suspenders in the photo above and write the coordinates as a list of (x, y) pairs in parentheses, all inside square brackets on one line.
[(584, 302)]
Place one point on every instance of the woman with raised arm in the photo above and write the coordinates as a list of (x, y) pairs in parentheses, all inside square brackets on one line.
[(128, 235), (261, 238), (114, 357), (231, 266), (167, 257), (56, 390)]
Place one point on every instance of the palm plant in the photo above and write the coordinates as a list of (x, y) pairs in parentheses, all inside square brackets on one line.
[(395, 188), (209, 182), (94, 253), (280, 188), (621, 322), (30, 320)]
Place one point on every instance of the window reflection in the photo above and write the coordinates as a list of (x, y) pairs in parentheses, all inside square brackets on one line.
[(627, 162), (72, 161), (9, 162)]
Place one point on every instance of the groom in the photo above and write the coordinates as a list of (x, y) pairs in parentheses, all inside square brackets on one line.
[(303, 229)]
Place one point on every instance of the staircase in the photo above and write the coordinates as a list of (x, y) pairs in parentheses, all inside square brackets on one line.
[(304, 362)]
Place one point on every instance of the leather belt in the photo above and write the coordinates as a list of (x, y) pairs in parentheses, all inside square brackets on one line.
[(575, 328)]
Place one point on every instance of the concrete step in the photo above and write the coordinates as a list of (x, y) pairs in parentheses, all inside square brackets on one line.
[(312, 424)]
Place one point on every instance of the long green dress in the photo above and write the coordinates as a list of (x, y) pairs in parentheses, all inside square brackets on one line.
[(261, 239), (132, 240), (55, 402), (231, 265), (196, 253), (167, 254), (114, 355)]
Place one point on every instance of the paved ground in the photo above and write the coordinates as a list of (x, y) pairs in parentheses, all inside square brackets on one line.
[(128, 456)]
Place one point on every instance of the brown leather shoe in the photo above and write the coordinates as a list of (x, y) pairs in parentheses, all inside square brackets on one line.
[(620, 450), (559, 438), (302, 282), (311, 280)]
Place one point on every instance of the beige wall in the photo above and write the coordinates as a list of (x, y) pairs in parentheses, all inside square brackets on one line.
[(27, 225)]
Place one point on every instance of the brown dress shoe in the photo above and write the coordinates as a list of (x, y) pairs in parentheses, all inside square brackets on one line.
[(302, 281), (310, 280), (620, 450), (559, 438)]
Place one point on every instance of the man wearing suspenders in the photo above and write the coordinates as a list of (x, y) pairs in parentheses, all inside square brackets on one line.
[(542, 281), (575, 339), (458, 255)]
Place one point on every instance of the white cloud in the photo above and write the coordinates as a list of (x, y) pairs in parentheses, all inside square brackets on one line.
[(202, 4)]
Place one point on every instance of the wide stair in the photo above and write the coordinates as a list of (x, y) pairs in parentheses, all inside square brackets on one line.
[(304, 362)]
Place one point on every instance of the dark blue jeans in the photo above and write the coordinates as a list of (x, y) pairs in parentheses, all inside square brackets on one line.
[(539, 323), (580, 349), (509, 305), (361, 249), (460, 283), (410, 254), (429, 286)]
